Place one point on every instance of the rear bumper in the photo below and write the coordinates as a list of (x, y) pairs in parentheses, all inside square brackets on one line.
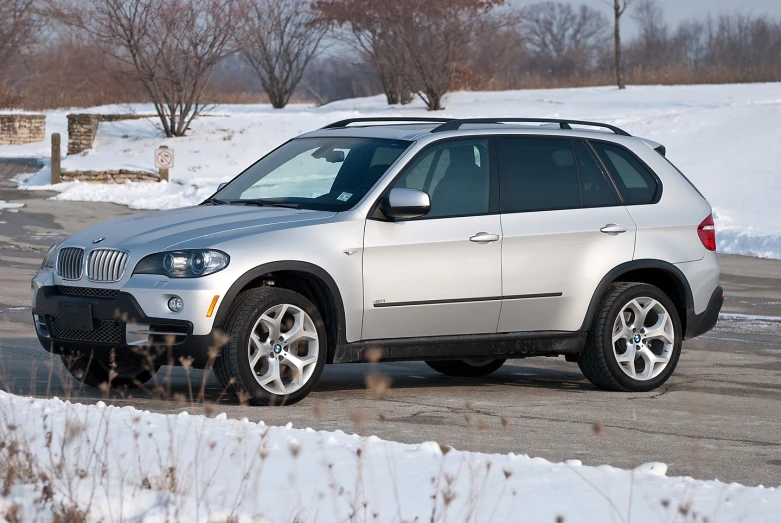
[(118, 322), (698, 324)]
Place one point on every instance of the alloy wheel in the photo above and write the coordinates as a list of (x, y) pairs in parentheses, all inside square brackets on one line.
[(643, 338), (283, 349)]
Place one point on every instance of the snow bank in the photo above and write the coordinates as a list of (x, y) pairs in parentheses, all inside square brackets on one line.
[(721, 136), (122, 464), (5, 205)]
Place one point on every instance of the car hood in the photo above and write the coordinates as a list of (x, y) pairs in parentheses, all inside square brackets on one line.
[(167, 229)]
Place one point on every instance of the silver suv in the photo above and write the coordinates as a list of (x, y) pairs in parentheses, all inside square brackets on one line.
[(461, 243)]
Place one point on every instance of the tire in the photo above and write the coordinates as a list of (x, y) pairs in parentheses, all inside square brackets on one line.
[(641, 359), (261, 311), (466, 368), (93, 367)]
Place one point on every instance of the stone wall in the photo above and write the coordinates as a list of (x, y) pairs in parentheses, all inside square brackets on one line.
[(81, 132), (110, 176), (16, 129), (82, 128)]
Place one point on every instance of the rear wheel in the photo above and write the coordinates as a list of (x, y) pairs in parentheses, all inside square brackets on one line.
[(276, 350), (635, 340), (120, 368), (471, 367)]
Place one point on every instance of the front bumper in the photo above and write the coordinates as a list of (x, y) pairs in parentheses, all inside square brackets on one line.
[(698, 324), (118, 321)]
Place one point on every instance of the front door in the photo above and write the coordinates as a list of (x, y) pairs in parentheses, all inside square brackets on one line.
[(440, 274), (564, 229)]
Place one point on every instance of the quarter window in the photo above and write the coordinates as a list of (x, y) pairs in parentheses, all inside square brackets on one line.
[(455, 175), (595, 188), (635, 183)]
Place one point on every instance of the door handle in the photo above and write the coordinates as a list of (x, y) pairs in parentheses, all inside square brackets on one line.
[(613, 229), (484, 237)]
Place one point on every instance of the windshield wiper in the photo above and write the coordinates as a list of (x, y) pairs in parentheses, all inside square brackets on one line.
[(263, 202), (213, 201)]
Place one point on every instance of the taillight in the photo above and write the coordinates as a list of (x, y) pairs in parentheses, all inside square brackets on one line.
[(707, 233)]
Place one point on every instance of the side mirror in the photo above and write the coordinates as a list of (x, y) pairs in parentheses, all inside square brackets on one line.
[(403, 204), (223, 184)]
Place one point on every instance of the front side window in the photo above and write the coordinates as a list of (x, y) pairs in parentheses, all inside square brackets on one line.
[(635, 183), (456, 176), (330, 174)]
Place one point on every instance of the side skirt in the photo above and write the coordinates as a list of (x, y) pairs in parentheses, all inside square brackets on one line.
[(500, 346)]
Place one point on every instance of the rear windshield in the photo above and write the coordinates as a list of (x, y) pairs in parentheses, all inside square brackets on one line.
[(330, 174)]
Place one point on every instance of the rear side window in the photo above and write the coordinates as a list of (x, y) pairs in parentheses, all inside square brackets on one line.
[(537, 174), (635, 183)]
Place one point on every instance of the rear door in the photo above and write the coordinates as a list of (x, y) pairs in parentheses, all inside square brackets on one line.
[(564, 229)]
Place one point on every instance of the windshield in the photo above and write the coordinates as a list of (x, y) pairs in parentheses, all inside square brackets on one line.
[(330, 174)]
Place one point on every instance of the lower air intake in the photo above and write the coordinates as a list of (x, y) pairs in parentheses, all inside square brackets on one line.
[(105, 331)]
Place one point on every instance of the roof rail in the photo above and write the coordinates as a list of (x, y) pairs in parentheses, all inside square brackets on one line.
[(345, 123), (454, 125)]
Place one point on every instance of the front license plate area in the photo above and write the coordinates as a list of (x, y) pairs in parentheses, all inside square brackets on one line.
[(76, 316)]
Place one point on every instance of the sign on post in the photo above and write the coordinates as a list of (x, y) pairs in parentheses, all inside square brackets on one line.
[(164, 160)]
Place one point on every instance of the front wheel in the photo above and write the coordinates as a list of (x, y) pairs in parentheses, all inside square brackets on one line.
[(635, 340), (276, 350), (472, 367)]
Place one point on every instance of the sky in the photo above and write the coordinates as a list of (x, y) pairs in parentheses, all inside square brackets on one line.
[(677, 10)]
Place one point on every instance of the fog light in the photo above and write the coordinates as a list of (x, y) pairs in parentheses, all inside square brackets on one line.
[(176, 304)]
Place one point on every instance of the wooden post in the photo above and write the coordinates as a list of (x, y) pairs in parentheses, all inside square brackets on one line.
[(163, 172), (56, 178)]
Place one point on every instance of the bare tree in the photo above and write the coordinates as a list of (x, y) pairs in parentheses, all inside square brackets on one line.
[(170, 47), (497, 52), (436, 37), (19, 29), (419, 44), (619, 7), (651, 47), (556, 30), (278, 42), (371, 29)]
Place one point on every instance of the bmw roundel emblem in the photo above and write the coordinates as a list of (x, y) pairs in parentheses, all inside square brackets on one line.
[(98, 240)]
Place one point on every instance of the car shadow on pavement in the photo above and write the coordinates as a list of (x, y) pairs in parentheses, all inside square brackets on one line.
[(46, 376), (416, 375)]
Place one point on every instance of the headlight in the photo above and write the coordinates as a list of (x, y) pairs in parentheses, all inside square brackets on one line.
[(183, 264), (51, 256)]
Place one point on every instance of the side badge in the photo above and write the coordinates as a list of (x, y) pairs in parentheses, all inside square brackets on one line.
[(350, 252)]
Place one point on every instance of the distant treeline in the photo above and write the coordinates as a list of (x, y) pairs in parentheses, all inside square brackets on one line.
[(72, 52)]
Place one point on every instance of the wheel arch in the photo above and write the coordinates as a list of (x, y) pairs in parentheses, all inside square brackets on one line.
[(307, 279), (664, 275)]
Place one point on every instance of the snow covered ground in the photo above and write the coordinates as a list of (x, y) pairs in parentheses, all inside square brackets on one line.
[(122, 464), (724, 137)]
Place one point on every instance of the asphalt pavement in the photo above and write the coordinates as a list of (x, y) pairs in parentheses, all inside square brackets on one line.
[(719, 416)]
